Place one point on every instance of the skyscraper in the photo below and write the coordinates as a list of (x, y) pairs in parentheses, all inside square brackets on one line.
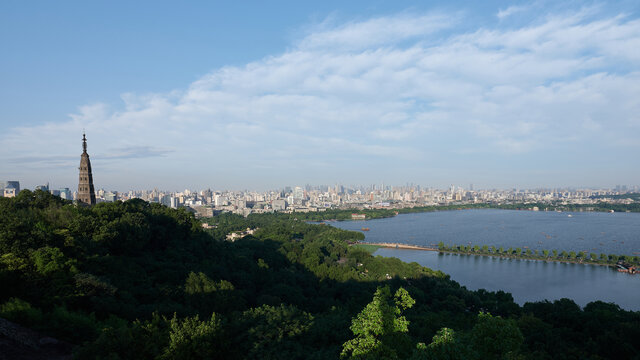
[(86, 193)]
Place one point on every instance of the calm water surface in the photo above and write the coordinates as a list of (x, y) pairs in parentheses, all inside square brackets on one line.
[(529, 280), (526, 280), (617, 233)]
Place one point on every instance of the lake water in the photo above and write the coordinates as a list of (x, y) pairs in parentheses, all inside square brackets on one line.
[(616, 233), (526, 280)]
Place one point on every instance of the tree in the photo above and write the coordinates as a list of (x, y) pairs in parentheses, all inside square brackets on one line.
[(194, 339), (555, 253), (545, 253), (380, 328), (209, 296), (494, 337), (49, 260), (443, 346), (274, 332)]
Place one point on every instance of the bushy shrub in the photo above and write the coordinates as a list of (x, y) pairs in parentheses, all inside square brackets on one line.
[(20, 311)]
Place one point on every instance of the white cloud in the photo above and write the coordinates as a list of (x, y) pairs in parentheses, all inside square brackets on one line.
[(504, 13), (389, 91)]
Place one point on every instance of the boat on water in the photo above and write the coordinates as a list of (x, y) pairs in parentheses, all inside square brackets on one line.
[(569, 215), (365, 229)]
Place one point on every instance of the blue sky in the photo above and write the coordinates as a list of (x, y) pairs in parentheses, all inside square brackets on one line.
[(259, 95)]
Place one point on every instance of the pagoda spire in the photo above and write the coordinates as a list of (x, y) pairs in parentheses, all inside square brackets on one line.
[(86, 191)]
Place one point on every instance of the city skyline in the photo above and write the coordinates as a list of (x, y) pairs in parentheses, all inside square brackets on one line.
[(526, 95), (303, 199), (368, 188)]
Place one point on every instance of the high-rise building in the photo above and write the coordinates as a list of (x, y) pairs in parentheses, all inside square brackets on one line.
[(298, 195), (9, 188), (86, 193), (165, 200), (110, 196), (66, 194)]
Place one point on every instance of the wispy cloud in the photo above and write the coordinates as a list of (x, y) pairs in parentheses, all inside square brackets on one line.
[(135, 152), (350, 99), (504, 13), (388, 30)]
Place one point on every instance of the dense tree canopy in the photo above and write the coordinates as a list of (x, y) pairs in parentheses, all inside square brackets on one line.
[(133, 280)]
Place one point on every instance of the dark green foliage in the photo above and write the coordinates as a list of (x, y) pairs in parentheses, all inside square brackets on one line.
[(21, 311), (191, 338), (274, 332), (138, 340), (380, 328), (495, 338), (133, 280), (444, 346)]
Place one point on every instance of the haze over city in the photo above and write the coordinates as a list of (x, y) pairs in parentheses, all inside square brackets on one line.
[(257, 97)]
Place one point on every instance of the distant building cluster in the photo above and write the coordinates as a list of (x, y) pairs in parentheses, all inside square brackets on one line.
[(320, 198)]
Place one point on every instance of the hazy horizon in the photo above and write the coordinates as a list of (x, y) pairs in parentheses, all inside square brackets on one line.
[(500, 95), (628, 187)]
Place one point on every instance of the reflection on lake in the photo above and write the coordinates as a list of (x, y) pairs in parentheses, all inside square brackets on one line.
[(529, 280)]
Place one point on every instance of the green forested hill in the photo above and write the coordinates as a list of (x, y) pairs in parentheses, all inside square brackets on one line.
[(135, 280)]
